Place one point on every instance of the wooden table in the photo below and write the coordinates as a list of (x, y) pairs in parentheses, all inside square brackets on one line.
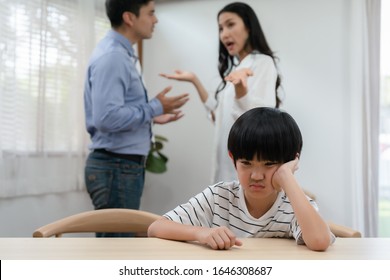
[(159, 249)]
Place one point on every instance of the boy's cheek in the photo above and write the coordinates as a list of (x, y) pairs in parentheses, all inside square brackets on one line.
[(275, 183)]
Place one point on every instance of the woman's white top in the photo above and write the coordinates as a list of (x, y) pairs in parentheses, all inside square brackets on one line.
[(227, 109)]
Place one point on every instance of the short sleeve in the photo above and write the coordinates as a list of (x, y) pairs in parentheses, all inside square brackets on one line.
[(198, 211)]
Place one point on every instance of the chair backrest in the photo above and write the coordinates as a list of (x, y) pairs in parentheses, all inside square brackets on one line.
[(336, 229), (103, 220), (343, 231)]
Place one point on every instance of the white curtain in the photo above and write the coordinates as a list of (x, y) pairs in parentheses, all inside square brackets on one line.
[(364, 98), (44, 48)]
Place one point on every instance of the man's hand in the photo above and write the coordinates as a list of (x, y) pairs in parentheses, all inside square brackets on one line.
[(166, 118), (171, 104)]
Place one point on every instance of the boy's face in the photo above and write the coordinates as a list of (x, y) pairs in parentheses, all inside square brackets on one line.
[(256, 177)]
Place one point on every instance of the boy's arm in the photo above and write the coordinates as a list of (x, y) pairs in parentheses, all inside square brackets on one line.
[(315, 231), (216, 238)]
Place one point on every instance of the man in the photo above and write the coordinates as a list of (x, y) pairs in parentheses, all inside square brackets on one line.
[(118, 112)]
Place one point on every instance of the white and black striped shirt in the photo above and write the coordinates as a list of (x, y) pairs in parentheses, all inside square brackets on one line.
[(223, 204)]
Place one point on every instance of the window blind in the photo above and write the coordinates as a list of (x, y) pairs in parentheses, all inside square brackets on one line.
[(44, 49)]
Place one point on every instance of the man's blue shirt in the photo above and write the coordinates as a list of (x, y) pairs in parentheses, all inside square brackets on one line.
[(117, 111)]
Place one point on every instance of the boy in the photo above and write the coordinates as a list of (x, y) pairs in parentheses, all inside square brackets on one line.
[(267, 201)]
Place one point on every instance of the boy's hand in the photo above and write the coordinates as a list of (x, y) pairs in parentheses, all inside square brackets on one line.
[(283, 173), (218, 238)]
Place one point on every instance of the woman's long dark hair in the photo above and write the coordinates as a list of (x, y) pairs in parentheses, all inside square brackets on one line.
[(256, 40)]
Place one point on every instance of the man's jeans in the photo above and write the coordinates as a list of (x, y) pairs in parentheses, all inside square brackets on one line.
[(114, 183)]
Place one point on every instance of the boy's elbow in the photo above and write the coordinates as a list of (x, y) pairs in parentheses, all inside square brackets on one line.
[(151, 230), (319, 244), (156, 228)]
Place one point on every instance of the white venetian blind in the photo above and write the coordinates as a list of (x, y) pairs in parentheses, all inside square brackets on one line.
[(44, 48)]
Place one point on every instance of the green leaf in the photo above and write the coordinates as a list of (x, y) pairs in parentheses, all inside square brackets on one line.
[(157, 146), (160, 138), (163, 157), (156, 163)]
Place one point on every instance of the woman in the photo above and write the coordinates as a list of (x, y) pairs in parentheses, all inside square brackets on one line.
[(249, 79)]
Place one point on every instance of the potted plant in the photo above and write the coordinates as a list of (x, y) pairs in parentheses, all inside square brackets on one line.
[(157, 161)]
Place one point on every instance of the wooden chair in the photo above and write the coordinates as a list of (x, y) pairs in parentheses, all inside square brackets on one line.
[(336, 229), (104, 220), (343, 231)]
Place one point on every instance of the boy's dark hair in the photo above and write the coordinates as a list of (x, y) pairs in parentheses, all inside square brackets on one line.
[(267, 133), (116, 8)]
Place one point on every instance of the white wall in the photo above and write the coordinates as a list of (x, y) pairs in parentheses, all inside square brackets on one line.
[(311, 40), (20, 216)]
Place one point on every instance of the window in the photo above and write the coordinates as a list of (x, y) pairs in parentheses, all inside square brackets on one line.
[(40, 74), (44, 49), (384, 165)]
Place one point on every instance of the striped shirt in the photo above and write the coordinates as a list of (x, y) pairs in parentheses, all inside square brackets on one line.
[(223, 204)]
